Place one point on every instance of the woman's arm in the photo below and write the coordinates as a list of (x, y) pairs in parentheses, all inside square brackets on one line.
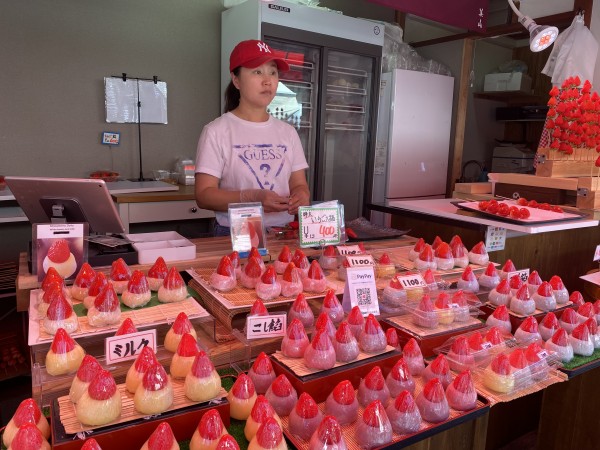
[(299, 193)]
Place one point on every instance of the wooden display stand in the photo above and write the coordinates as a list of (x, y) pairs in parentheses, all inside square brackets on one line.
[(552, 163)]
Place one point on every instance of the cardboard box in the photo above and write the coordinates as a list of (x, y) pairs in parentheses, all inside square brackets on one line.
[(169, 244), (514, 81)]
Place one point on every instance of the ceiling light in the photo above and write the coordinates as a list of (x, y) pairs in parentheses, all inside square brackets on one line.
[(540, 36)]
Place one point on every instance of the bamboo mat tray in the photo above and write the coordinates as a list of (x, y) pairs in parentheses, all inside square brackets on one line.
[(155, 315), (537, 313), (405, 322), (299, 368), (69, 420), (427, 428)]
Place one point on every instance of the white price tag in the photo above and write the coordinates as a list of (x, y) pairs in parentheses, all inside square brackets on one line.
[(128, 346), (348, 249), (597, 253), (412, 281), (495, 238), (265, 326), (543, 354), (318, 226), (486, 345), (523, 275), (360, 260), (360, 290)]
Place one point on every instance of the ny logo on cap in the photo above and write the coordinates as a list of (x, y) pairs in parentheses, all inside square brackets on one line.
[(263, 47)]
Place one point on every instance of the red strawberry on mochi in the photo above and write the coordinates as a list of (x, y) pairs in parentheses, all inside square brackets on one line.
[(157, 273), (461, 393), (404, 414), (283, 259), (560, 291), (320, 354), (28, 412), (138, 291), (495, 336), (305, 417), (559, 343), (301, 261), (479, 255), (437, 241), (328, 260), (106, 309), (261, 411), (581, 340), (173, 288), (585, 312), (568, 320), (440, 369), (507, 268), (548, 326), (425, 315), (544, 297), (268, 287), (324, 323), (345, 344), (328, 435), (593, 329), (119, 275), (391, 335), (413, 357), (460, 356), (82, 282), (294, 343), (223, 278), (51, 276), (374, 428), (332, 307), (291, 282), (227, 442), (459, 252), (356, 321), (373, 387), (301, 311), (60, 257), (534, 281), (60, 314), (432, 402), (202, 382), (429, 278), (414, 252), (162, 438), (536, 357), (241, 397), (101, 403), (127, 327), (97, 285), (372, 337), (269, 436), (315, 280), (498, 375), (262, 373), (468, 280), (53, 291), (65, 355), (251, 272), (145, 359), (490, 278), (182, 360), (181, 326), (154, 395), (528, 331), (85, 374), (394, 296), (515, 284), (399, 379), (521, 303), (29, 437), (234, 257), (208, 432), (281, 395), (501, 294), (342, 270), (500, 318), (426, 259), (577, 299), (443, 256), (385, 268), (342, 403)]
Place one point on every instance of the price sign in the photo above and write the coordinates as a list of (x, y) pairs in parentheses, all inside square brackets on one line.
[(128, 346), (318, 226), (486, 345), (360, 260), (542, 354), (258, 327), (597, 253), (412, 281), (360, 290), (495, 238), (523, 275), (349, 249)]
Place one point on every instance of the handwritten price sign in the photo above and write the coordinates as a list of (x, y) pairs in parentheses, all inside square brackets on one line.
[(522, 274), (318, 226)]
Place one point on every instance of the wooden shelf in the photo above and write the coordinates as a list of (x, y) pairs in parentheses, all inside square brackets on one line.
[(512, 97)]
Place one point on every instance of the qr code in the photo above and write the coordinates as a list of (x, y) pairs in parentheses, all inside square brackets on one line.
[(364, 296)]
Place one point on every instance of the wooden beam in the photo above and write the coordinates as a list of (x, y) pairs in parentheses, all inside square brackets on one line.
[(400, 18), (461, 115)]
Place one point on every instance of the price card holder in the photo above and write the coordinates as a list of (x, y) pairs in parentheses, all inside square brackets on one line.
[(495, 239), (273, 325), (319, 225), (247, 228), (128, 346), (60, 245), (360, 260), (360, 290), (523, 275), (412, 281), (349, 249)]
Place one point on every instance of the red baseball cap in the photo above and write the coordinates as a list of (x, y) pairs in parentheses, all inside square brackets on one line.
[(253, 53)]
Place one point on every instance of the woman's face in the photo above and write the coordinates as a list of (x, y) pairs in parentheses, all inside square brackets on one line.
[(257, 86)]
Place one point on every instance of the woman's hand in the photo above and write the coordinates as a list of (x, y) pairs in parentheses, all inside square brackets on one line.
[(299, 193), (271, 201)]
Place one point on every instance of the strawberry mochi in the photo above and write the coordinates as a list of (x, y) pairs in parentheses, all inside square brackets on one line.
[(162, 438), (184, 357), (559, 343), (560, 291), (61, 258), (180, 326), (384, 267), (301, 261), (320, 354), (490, 278), (468, 281), (82, 282), (345, 344), (356, 321), (209, 431), (500, 318), (119, 275), (460, 356), (443, 256), (521, 303), (414, 252), (223, 278), (393, 340), (372, 337), (328, 259), (101, 403), (507, 268), (202, 382), (291, 282), (173, 288), (577, 299), (282, 395), (528, 331), (404, 414), (126, 327), (138, 291), (425, 315), (444, 309), (157, 273), (88, 369), (501, 294), (252, 272), (53, 291), (65, 355), (461, 392), (373, 387), (261, 411), (543, 297), (315, 280), (479, 255), (154, 395), (262, 373), (373, 429), (399, 379), (324, 323), (498, 375), (283, 260), (28, 437), (440, 369), (295, 341), (394, 296), (301, 311), (413, 357), (28, 412), (268, 287), (269, 436), (145, 359), (227, 442), (534, 281), (342, 403), (581, 341), (106, 309), (241, 397), (305, 417), (548, 326), (328, 436), (568, 320), (97, 285), (432, 402), (332, 307), (60, 314), (426, 259)]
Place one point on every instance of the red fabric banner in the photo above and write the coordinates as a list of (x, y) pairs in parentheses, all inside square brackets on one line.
[(469, 14)]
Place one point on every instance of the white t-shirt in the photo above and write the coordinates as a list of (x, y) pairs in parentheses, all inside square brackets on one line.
[(251, 155)]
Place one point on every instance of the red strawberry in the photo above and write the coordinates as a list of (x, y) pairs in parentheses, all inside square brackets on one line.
[(479, 249), (532, 352), (530, 325), (443, 251), (343, 393), (592, 326), (262, 364), (155, 378), (411, 349), (362, 248), (145, 360), (261, 409), (374, 379), (27, 437), (345, 263), (103, 386), (391, 335), (420, 245), (27, 412), (300, 304), (234, 257), (550, 320), (581, 332), (173, 280), (161, 438), (569, 316), (456, 240), (258, 309), (544, 289), (50, 277), (182, 324), (99, 282), (269, 434), (227, 442), (59, 251), (460, 298), (460, 346), (434, 391), (458, 250), (508, 266), (501, 364), (127, 327), (211, 425), (503, 287), (560, 337), (88, 369), (515, 282), (343, 335), (330, 301), (405, 403), (440, 366), (330, 432), (385, 259), (159, 269), (576, 298), (188, 346), (523, 293), (395, 284), (119, 270), (436, 242), (320, 340), (371, 325), (59, 308), (290, 273), (494, 336), (442, 301), (329, 251), (306, 407), (587, 310), (107, 300), (518, 359), (295, 330), (225, 267), (476, 342), (243, 387), (501, 313), (534, 278), (202, 366), (254, 253), (315, 272), (252, 268), (425, 304), (270, 276), (85, 276), (374, 415), (426, 254), (428, 276), (464, 382), (300, 259), (400, 371), (490, 270), (355, 316), (285, 255), (138, 284), (53, 291), (324, 322), (91, 444), (468, 274), (557, 283), (281, 386)]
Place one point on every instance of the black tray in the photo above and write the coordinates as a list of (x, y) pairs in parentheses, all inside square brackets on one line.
[(366, 231), (569, 215)]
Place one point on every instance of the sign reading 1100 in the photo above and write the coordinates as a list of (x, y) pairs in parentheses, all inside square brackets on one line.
[(318, 226)]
